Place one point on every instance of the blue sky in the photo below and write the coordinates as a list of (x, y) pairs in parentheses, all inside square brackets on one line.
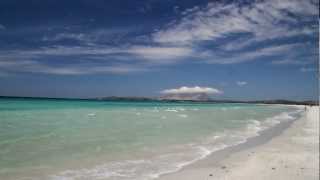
[(89, 48)]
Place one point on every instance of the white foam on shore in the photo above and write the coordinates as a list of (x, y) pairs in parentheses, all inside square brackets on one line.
[(255, 126), (92, 114), (172, 161), (183, 115), (171, 110)]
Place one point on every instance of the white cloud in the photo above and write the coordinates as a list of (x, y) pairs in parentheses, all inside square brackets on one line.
[(192, 90), (146, 53), (160, 53), (73, 69), (292, 62), (249, 55), (81, 70), (263, 20), (241, 43), (132, 59), (241, 83), (260, 22)]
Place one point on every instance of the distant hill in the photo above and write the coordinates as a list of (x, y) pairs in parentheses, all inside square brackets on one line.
[(199, 99), (117, 98), (203, 98), (287, 102)]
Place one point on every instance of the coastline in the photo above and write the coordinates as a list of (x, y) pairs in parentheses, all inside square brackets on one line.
[(287, 151)]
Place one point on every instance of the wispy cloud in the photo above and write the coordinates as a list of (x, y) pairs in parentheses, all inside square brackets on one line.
[(262, 19), (292, 62), (241, 83), (241, 57), (81, 70), (71, 69), (94, 36), (192, 90), (160, 54), (2, 27), (91, 60), (67, 36), (99, 50), (143, 52), (238, 44), (309, 69), (258, 23)]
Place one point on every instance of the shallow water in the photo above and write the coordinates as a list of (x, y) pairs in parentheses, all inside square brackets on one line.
[(77, 139)]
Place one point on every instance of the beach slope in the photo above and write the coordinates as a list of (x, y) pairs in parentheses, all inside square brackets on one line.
[(293, 155)]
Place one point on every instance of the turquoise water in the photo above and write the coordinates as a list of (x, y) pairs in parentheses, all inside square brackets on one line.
[(74, 139)]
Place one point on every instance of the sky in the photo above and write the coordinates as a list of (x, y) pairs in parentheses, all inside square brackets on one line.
[(244, 50)]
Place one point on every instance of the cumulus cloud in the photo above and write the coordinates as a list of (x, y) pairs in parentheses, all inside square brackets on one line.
[(241, 83), (192, 90)]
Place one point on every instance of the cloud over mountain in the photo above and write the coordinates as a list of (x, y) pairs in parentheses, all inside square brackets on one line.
[(192, 90)]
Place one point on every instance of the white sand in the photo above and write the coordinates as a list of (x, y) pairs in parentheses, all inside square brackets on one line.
[(293, 155)]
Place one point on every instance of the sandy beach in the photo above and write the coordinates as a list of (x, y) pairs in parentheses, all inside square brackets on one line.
[(289, 154)]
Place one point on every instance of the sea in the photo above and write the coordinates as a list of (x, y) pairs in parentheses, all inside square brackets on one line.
[(52, 139)]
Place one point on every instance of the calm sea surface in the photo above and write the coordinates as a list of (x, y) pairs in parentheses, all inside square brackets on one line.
[(75, 139)]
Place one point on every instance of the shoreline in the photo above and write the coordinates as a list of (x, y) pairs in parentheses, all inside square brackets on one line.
[(273, 154)]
